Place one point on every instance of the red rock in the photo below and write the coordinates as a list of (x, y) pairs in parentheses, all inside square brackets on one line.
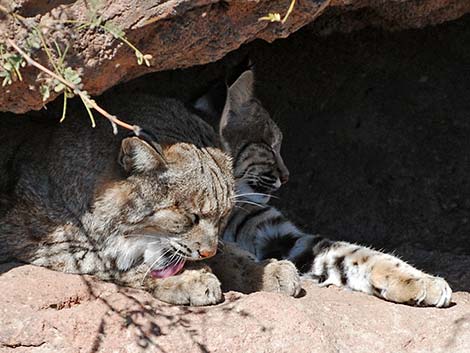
[(46, 311)]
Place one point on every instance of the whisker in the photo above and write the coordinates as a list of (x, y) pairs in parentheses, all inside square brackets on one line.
[(153, 263), (254, 193), (169, 261), (250, 203), (250, 193), (240, 207)]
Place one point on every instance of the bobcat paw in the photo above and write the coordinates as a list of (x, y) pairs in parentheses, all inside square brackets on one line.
[(424, 291), (434, 292), (192, 287), (281, 276), (401, 283)]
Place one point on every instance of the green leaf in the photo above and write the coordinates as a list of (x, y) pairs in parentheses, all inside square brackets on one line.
[(17, 65), (72, 76), (33, 40), (59, 88), (45, 92)]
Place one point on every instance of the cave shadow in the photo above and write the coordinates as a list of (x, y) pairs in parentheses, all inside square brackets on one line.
[(7, 266)]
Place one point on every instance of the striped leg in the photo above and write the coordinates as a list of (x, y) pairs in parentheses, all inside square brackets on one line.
[(366, 270)]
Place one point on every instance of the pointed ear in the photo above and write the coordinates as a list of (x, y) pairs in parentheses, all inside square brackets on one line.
[(138, 156), (240, 92)]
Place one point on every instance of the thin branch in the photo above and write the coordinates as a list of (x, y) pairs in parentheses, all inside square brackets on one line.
[(85, 98)]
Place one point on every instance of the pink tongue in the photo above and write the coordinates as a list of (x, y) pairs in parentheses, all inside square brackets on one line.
[(168, 271)]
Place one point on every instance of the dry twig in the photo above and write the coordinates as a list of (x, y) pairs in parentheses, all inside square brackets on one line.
[(90, 103)]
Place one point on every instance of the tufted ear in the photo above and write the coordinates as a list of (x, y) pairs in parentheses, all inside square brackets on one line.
[(139, 156)]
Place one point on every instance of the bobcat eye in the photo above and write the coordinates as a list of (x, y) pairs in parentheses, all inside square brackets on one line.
[(194, 218)]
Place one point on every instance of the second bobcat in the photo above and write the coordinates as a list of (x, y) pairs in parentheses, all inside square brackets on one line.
[(253, 140)]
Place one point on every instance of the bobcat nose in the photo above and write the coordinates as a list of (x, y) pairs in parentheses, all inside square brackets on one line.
[(204, 253)]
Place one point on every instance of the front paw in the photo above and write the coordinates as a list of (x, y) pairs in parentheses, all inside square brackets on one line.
[(435, 292), (423, 291), (404, 284), (192, 287), (281, 276)]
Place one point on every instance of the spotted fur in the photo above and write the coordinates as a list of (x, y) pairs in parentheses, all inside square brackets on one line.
[(265, 232)]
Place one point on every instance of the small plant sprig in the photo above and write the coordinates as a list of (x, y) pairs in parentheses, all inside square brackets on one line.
[(37, 41), (276, 16), (64, 78), (89, 103), (11, 64)]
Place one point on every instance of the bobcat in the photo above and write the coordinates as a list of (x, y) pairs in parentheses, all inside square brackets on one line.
[(254, 142), (136, 210)]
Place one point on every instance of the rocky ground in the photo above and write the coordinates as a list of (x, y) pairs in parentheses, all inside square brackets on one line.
[(45, 311)]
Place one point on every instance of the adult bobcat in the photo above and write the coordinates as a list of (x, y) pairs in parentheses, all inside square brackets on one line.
[(254, 141), (132, 210)]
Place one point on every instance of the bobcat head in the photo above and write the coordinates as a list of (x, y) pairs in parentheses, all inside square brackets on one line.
[(251, 137), (169, 207)]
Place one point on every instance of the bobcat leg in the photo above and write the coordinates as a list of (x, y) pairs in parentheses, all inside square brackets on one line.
[(370, 271), (238, 270)]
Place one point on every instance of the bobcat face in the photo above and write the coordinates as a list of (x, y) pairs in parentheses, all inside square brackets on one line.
[(170, 207), (250, 135), (257, 172)]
